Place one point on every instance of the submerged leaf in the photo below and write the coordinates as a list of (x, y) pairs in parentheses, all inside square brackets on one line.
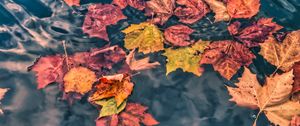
[(79, 80), (186, 58), (219, 8), (142, 64), (160, 10), (2, 93), (191, 11), (178, 35), (144, 36), (243, 8), (283, 55), (98, 17), (118, 86), (227, 57)]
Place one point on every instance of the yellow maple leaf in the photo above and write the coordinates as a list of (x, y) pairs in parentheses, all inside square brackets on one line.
[(79, 79), (186, 58), (282, 55), (145, 36)]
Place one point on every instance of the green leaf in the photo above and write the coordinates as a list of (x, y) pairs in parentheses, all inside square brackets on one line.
[(109, 107)]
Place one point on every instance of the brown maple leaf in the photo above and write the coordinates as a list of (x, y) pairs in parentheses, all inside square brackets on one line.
[(118, 86), (133, 115), (178, 35), (73, 2), (138, 4), (191, 11), (98, 17), (160, 10), (227, 57), (243, 8), (141, 64)]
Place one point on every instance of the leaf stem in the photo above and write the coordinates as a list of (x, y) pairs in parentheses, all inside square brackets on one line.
[(66, 54)]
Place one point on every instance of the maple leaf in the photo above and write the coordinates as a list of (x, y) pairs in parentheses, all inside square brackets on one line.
[(185, 58), (72, 2), (133, 115), (191, 11), (2, 93), (138, 4), (282, 55), (243, 8), (272, 98), (295, 121), (109, 107), (161, 10), (257, 33), (227, 57), (296, 86), (219, 8), (79, 79), (142, 64), (145, 36), (118, 86), (178, 35), (98, 17)]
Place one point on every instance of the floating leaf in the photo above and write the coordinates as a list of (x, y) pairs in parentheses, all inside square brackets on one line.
[(142, 64), (186, 58), (191, 11), (98, 17), (257, 33), (138, 4), (145, 36), (227, 57), (73, 2), (160, 10), (133, 115), (2, 93), (79, 80), (243, 8), (109, 107), (219, 8), (178, 35), (118, 86), (282, 55)]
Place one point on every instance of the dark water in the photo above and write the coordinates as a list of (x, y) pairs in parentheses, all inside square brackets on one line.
[(31, 28)]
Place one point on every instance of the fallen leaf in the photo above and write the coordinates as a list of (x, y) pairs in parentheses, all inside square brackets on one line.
[(98, 17), (160, 10), (133, 115), (141, 64), (73, 2), (191, 11), (257, 33), (243, 8), (178, 35), (138, 4), (144, 36), (295, 121), (109, 107), (296, 86), (273, 98), (282, 54), (186, 58), (118, 86), (220, 10), (227, 57), (79, 80), (2, 93)]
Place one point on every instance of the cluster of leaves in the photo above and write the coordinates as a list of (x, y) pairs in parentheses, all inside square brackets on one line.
[(89, 73)]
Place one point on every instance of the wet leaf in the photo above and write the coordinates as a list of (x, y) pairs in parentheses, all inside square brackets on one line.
[(243, 8), (257, 33), (141, 64), (191, 11), (186, 58), (160, 10), (296, 86), (73, 2), (282, 55), (220, 10), (98, 17), (109, 107), (138, 4), (2, 93), (118, 86), (133, 115), (79, 80), (144, 36), (178, 35), (295, 120), (227, 57)]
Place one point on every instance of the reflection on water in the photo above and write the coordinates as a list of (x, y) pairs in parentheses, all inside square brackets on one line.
[(31, 28)]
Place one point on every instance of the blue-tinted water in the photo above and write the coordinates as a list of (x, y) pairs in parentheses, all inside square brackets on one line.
[(31, 28)]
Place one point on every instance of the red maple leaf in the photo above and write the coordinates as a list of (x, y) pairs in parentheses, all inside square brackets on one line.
[(178, 35), (138, 4)]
